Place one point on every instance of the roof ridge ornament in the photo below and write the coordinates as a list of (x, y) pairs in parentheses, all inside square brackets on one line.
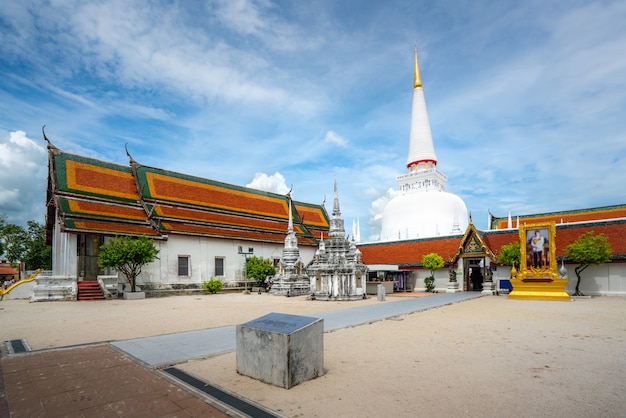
[(132, 160), (51, 146)]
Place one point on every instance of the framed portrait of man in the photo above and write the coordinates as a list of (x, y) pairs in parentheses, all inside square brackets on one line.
[(538, 250)]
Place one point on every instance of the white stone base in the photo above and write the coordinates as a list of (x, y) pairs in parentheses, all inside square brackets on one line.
[(453, 287), (47, 288), (489, 288), (134, 295)]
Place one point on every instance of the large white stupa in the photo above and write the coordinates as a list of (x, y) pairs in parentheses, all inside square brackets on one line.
[(422, 208)]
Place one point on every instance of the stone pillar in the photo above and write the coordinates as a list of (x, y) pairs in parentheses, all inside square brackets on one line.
[(380, 292), (488, 284), (488, 288), (453, 287)]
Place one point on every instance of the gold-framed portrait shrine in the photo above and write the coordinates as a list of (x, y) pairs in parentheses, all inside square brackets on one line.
[(538, 276)]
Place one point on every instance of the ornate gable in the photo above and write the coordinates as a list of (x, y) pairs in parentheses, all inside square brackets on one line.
[(472, 245)]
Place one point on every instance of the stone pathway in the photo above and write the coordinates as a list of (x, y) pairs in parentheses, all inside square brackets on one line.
[(102, 380)]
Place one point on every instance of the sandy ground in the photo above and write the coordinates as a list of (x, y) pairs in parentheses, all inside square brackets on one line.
[(489, 356)]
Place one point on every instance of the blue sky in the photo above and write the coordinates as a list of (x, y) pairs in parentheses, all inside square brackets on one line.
[(526, 99)]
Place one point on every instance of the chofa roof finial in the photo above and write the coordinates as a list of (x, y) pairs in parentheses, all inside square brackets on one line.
[(51, 146), (132, 160)]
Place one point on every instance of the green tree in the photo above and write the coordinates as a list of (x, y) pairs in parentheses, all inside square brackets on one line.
[(15, 242), (127, 255), (510, 255), (259, 268), (588, 250), (432, 262), (38, 254)]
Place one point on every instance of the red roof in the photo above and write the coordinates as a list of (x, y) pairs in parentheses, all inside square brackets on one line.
[(410, 253), (7, 270)]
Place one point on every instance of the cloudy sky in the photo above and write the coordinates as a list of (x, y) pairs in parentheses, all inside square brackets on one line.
[(526, 99)]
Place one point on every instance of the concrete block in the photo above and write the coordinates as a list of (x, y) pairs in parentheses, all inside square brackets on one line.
[(134, 295), (381, 292), (280, 349)]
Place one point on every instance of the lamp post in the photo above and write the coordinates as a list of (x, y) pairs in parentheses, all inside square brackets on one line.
[(245, 256)]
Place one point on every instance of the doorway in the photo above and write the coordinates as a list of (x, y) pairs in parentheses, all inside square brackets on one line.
[(473, 274), (88, 251)]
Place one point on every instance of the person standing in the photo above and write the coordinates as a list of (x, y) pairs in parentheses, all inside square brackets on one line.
[(537, 242)]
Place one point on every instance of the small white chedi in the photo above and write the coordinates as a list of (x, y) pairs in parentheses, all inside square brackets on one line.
[(337, 271)]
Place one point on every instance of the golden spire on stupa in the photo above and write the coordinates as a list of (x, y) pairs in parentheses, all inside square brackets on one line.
[(417, 80)]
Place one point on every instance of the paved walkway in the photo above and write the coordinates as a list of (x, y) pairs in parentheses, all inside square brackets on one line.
[(169, 349), (101, 380)]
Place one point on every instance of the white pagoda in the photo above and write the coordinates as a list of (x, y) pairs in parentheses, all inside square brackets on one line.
[(423, 208)]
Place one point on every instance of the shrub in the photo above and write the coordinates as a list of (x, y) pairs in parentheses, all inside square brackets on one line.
[(259, 268), (213, 285), (429, 282)]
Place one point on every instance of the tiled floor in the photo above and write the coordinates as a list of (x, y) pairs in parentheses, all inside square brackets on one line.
[(91, 381)]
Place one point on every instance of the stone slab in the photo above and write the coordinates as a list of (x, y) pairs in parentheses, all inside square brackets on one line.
[(281, 349)]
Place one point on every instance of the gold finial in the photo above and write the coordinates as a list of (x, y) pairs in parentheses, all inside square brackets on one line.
[(417, 80)]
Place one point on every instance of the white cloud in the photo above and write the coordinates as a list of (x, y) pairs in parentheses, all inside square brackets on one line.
[(376, 211), (333, 137), (23, 169), (274, 183)]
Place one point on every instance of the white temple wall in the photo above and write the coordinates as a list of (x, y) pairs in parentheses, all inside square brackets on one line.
[(163, 272), (202, 253), (441, 280), (606, 279), (64, 253)]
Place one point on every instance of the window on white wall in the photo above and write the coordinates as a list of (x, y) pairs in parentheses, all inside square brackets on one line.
[(219, 266), (183, 265)]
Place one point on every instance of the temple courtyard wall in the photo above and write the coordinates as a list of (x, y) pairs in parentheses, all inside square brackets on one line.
[(606, 279)]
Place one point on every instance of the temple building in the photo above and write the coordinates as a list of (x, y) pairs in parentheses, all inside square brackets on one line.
[(423, 208), (199, 226), (337, 271)]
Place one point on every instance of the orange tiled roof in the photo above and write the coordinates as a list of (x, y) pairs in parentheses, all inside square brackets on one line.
[(7, 270), (101, 209), (108, 228), (408, 253), (580, 215), (89, 195)]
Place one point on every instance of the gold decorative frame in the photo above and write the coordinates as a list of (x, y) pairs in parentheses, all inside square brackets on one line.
[(538, 265)]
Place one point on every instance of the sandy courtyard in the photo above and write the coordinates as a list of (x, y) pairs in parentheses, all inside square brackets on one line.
[(489, 356)]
